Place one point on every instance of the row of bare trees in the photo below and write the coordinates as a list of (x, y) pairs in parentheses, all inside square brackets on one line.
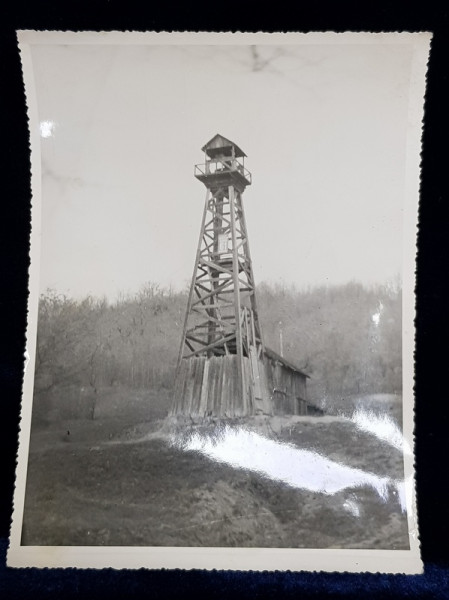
[(93, 343), (348, 338)]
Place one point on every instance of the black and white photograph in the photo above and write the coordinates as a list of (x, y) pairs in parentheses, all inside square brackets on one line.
[(221, 314)]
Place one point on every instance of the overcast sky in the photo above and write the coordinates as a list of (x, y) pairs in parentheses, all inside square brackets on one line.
[(324, 128)]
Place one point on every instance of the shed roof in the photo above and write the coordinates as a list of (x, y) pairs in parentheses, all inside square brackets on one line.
[(277, 357), (221, 145)]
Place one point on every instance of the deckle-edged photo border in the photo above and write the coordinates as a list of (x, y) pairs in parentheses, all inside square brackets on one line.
[(389, 561)]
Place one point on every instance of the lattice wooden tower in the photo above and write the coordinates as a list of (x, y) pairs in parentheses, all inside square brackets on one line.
[(219, 366)]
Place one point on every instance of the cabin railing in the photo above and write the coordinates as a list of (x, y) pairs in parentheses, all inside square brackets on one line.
[(218, 166)]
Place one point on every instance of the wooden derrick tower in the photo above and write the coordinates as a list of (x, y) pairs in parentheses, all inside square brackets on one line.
[(220, 370)]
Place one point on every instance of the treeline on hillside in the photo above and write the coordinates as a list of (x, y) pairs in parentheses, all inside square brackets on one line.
[(348, 338)]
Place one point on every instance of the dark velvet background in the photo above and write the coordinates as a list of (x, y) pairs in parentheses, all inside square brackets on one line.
[(431, 415)]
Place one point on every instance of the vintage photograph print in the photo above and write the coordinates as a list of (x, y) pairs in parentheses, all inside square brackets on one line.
[(221, 314)]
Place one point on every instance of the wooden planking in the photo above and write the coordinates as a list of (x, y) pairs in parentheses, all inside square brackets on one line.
[(266, 396), (288, 388), (210, 386), (247, 403), (204, 389), (197, 385)]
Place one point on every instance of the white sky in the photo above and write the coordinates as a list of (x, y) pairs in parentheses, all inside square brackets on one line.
[(324, 128)]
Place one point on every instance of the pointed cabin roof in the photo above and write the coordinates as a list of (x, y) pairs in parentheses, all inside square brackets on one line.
[(221, 145)]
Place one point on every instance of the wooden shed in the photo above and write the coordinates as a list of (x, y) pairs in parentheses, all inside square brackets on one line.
[(287, 385), (209, 387)]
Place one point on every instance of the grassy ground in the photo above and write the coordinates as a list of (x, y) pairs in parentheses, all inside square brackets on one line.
[(111, 481)]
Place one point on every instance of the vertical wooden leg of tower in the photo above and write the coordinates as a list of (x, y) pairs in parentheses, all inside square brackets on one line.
[(257, 334), (237, 307), (192, 285)]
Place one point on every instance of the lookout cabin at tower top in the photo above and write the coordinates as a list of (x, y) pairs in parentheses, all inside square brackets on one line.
[(224, 164)]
